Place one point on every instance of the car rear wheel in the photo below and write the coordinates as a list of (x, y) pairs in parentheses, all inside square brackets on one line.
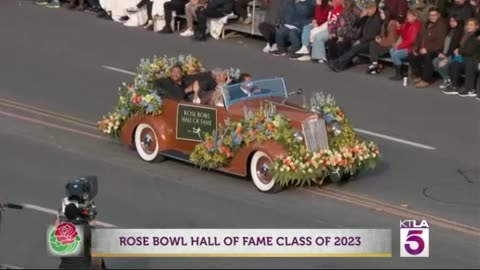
[(146, 143), (261, 174)]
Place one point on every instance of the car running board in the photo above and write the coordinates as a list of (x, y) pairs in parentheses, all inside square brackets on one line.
[(175, 154), (181, 156)]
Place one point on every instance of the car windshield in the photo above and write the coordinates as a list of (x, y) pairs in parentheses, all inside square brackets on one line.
[(248, 90)]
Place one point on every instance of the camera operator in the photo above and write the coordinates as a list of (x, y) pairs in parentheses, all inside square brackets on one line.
[(74, 215)]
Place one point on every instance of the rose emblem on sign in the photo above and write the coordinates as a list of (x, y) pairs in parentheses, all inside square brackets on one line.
[(64, 239)]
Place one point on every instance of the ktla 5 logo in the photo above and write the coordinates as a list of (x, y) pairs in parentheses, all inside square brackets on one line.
[(414, 238)]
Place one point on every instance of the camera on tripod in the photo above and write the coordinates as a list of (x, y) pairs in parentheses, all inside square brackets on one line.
[(81, 192)]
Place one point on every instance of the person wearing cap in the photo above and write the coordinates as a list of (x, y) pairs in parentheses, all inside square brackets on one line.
[(370, 29)]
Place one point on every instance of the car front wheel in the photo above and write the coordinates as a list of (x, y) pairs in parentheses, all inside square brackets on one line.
[(261, 173), (146, 143)]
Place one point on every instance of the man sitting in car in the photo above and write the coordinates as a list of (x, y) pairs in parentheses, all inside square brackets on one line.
[(180, 87), (215, 97)]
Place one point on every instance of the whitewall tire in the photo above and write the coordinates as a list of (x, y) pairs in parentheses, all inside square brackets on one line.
[(260, 172), (146, 143)]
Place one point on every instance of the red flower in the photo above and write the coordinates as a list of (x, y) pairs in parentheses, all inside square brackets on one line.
[(66, 233), (136, 99)]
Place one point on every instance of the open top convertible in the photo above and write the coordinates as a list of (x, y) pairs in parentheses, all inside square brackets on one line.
[(257, 133)]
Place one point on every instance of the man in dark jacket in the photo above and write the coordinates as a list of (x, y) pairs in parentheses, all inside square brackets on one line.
[(169, 7), (298, 14), (428, 45), (372, 24), (462, 9), (212, 9), (179, 87), (273, 19)]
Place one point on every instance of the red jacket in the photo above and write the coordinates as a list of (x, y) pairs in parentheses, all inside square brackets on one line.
[(321, 13), (333, 21), (408, 32)]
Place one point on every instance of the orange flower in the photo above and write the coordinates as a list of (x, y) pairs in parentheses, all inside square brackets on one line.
[(136, 99), (208, 145), (238, 131), (270, 127)]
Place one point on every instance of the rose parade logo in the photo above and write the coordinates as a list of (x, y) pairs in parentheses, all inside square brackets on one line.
[(65, 239)]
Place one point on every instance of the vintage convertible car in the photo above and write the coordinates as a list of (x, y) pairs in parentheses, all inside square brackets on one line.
[(176, 132)]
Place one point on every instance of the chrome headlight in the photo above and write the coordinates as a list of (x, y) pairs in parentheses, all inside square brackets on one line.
[(298, 136)]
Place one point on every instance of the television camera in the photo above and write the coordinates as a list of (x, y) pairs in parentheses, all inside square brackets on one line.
[(80, 192)]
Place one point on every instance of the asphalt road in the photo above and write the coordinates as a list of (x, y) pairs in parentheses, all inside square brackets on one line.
[(52, 59)]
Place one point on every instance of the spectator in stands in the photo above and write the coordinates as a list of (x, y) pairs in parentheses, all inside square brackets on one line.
[(384, 41), (428, 45), (465, 60), (240, 8), (462, 9), (94, 6), (349, 31), (169, 7), (333, 24), (451, 43), (319, 23), (213, 9), (398, 7), (273, 18), (370, 29), (144, 3), (298, 14), (77, 5), (408, 33), (48, 3), (191, 16)]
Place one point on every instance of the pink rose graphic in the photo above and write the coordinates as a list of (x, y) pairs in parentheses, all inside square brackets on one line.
[(66, 233)]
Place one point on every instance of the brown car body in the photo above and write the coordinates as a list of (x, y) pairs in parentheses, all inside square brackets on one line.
[(165, 126)]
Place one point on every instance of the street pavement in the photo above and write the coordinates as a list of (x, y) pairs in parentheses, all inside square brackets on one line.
[(53, 59)]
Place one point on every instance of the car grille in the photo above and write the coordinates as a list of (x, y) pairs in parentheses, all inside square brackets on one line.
[(315, 133)]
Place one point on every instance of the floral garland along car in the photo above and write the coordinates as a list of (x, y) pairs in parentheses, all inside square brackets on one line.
[(347, 155)]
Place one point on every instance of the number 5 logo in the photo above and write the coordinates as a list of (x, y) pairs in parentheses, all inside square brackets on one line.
[(414, 236)]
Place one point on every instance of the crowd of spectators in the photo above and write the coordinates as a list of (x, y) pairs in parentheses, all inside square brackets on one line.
[(432, 41)]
